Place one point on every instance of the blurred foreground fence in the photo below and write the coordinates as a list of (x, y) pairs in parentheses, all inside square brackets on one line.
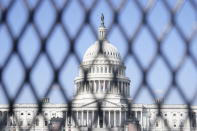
[(144, 10)]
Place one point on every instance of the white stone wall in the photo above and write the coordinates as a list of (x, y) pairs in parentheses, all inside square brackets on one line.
[(146, 114)]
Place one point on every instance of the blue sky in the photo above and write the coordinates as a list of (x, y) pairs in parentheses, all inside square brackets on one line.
[(144, 46)]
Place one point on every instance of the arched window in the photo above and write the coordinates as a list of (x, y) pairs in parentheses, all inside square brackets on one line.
[(46, 123), (29, 122)]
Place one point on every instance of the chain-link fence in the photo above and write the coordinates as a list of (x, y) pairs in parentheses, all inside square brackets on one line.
[(31, 8)]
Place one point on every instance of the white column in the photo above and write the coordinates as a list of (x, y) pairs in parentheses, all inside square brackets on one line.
[(85, 86), (81, 85), (121, 88), (78, 88), (117, 88), (99, 86), (114, 118), (96, 82), (71, 119), (77, 117), (127, 90), (93, 118), (104, 119), (113, 89), (98, 121), (94, 87), (75, 89), (141, 118), (124, 88), (87, 118), (109, 119), (66, 119), (91, 86), (120, 118), (189, 124), (125, 115), (104, 88), (109, 86), (82, 121), (94, 90)]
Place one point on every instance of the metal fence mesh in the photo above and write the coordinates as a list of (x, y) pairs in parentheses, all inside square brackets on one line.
[(159, 38)]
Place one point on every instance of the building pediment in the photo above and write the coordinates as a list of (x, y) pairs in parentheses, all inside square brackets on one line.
[(103, 103)]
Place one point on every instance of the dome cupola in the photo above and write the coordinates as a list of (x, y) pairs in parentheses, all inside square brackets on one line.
[(102, 30), (109, 51)]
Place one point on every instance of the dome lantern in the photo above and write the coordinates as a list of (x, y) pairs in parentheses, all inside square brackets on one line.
[(102, 29)]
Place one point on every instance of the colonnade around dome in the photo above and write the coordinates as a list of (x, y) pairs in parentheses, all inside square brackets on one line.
[(103, 86)]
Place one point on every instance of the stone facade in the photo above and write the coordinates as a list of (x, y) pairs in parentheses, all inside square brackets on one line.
[(115, 116)]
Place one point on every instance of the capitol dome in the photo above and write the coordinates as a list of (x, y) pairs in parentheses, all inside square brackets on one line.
[(110, 52), (103, 49), (101, 60)]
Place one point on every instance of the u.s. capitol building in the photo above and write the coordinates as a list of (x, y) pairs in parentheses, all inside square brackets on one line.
[(100, 89)]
